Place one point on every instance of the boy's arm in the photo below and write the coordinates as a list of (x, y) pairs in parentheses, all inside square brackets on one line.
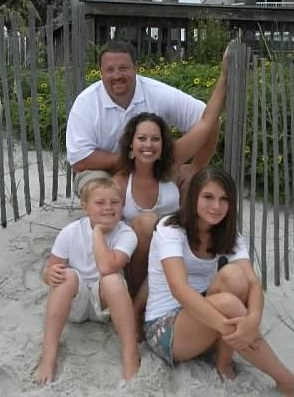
[(53, 273), (107, 260)]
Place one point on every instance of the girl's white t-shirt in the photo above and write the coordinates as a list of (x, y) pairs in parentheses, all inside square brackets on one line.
[(168, 242)]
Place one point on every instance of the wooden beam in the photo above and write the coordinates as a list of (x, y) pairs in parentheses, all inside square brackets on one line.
[(186, 11)]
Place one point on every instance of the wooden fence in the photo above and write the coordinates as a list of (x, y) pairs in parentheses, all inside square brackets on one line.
[(258, 136)]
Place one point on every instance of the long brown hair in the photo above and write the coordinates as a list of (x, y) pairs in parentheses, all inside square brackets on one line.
[(223, 236)]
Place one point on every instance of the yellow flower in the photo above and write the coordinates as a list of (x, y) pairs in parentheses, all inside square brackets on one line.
[(161, 59), (153, 71), (141, 69), (166, 72), (157, 67), (29, 99), (196, 81), (42, 106), (44, 85), (174, 64), (174, 130), (40, 99), (280, 159), (208, 84), (93, 73), (247, 149)]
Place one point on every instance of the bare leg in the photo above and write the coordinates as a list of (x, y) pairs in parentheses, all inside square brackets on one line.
[(114, 294), (224, 354), (266, 361), (185, 344), (232, 279), (139, 303), (57, 311), (137, 269)]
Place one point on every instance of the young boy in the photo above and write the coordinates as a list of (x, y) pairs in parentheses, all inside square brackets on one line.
[(84, 275)]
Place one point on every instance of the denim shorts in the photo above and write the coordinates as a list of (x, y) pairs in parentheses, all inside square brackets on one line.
[(160, 334)]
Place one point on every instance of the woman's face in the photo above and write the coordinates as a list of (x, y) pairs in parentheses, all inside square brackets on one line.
[(213, 204), (147, 142)]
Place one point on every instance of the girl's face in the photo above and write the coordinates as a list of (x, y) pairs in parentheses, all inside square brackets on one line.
[(147, 142), (213, 204), (104, 207)]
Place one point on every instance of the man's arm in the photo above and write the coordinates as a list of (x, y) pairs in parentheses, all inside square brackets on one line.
[(98, 160)]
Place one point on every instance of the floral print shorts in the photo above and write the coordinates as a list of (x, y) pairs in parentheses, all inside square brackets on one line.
[(159, 335)]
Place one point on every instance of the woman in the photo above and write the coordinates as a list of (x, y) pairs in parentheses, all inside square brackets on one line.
[(192, 306), (152, 166)]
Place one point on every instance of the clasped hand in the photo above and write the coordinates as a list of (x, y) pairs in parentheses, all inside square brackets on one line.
[(54, 274), (246, 334)]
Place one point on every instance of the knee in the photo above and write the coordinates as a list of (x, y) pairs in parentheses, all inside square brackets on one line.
[(228, 304), (71, 280), (68, 288), (113, 283), (144, 224), (71, 276), (233, 279)]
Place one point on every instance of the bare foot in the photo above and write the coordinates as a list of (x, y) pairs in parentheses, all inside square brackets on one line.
[(45, 372), (226, 371), (286, 388), (131, 366)]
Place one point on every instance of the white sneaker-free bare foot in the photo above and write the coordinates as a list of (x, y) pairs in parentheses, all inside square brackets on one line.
[(45, 372), (226, 371)]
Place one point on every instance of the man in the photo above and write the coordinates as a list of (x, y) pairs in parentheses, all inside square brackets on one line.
[(100, 112)]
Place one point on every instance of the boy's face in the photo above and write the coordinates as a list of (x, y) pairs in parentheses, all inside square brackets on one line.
[(104, 207)]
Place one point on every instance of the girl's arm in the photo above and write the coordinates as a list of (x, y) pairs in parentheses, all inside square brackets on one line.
[(107, 260), (247, 327), (203, 134), (255, 302), (191, 300)]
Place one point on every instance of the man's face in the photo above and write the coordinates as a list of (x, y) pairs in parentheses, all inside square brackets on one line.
[(118, 75)]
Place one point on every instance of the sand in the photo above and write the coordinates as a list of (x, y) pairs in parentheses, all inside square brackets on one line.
[(89, 360)]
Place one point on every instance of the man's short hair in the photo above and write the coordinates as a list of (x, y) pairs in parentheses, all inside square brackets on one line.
[(118, 46)]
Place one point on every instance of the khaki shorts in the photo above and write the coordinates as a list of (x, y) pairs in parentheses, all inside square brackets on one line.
[(81, 178), (86, 304)]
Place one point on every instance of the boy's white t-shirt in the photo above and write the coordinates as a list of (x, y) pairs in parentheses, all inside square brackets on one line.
[(75, 243), (168, 242)]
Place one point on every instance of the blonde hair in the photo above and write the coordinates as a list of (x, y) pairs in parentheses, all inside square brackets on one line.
[(96, 183)]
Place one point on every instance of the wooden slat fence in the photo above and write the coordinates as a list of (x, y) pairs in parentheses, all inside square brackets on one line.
[(258, 135)]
